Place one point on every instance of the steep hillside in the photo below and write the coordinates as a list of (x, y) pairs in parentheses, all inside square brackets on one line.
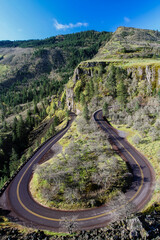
[(129, 42), (123, 79), (139, 78), (32, 74), (36, 57), (39, 68), (129, 93)]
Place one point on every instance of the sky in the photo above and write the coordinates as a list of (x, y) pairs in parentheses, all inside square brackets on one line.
[(39, 19)]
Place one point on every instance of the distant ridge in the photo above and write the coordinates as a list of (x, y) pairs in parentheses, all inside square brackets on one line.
[(128, 42)]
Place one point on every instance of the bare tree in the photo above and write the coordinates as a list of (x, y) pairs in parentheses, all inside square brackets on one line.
[(69, 224), (136, 139), (121, 208)]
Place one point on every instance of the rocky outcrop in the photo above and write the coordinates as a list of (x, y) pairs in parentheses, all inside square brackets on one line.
[(70, 99), (76, 74), (150, 74), (146, 77), (86, 69)]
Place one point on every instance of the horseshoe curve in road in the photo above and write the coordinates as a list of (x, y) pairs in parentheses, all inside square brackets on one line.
[(32, 214)]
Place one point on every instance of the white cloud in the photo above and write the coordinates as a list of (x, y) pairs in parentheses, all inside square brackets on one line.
[(60, 26), (126, 19)]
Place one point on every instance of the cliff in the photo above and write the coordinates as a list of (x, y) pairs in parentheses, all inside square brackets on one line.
[(142, 78)]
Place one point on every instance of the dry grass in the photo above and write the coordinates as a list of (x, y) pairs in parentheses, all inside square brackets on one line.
[(3, 71), (132, 62), (149, 149)]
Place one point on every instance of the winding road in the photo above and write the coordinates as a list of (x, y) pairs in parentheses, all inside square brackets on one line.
[(28, 212)]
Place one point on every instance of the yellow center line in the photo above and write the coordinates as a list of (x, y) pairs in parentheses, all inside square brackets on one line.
[(142, 181), (18, 186), (142, 175), (82, 219)]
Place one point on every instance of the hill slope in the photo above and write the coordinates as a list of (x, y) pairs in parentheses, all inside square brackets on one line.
[(60, 53), (129, 42), (33, 73), (118, 79)]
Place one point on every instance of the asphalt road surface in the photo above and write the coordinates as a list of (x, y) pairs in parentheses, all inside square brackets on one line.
[(28, 212)]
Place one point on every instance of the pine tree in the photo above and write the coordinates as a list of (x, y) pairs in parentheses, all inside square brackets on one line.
[(2, 158), (13, 165), (14, 155), (5, 127), (96, 91), (91, 89), (78, 88), (121, 74), (105, 109), (82, 99), (28, 119), (86, 113), (111, 80), (14, 126), (36, 111), (159, 93), (1, 142), (29, 153), (37, 144), (56, 121), (67, 115), (87, 89), (121, 93), (52, 130), (2, 181), (23, 159), (21, 129)]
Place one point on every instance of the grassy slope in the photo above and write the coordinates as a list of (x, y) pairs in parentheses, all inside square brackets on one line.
[(149, 148), (25, 62), (61, 53), (131, 42), (132, 62), (3, 71)]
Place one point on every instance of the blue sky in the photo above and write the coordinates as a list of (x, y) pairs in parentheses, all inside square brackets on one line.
[(38, 19)]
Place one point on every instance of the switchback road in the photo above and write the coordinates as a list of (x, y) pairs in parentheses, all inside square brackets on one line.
[(28, 212)]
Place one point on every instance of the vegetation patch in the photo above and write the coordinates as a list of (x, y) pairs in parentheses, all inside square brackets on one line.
[(3, 70), (151, 150), (86, 174)]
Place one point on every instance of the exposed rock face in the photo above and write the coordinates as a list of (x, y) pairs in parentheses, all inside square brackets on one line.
[(145, 77), (87, 69), (149, 74), (70, 99), (140, 71), (76, 74)]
